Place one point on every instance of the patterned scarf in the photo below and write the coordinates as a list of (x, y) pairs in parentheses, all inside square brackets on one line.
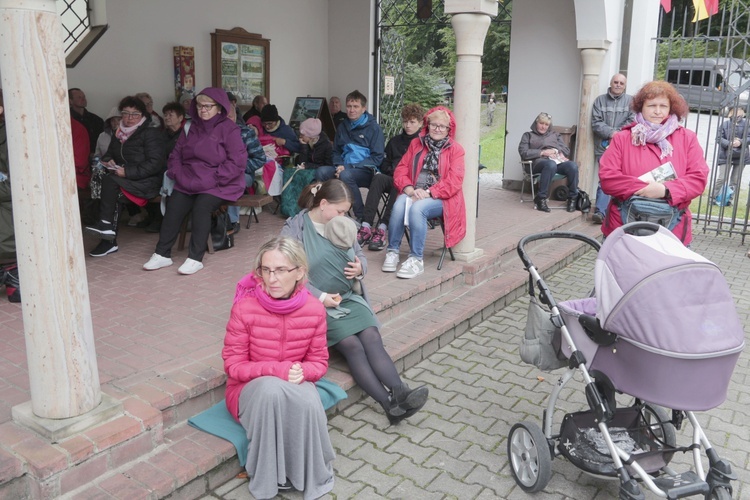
[(654, 133), (124, 132), (433, 154)]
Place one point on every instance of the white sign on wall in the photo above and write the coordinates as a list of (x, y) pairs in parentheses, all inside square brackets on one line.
[(390, 85)]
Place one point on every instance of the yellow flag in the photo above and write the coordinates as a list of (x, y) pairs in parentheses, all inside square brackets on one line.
[(701, 12)]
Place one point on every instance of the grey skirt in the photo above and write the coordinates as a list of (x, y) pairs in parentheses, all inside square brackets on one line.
[(288, 433)]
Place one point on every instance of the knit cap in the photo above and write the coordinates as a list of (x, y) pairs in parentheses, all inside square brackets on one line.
[(311, 127), (269, 113), (341, 231)]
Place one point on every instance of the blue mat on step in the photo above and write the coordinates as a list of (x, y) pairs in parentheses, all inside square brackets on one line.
[(218, 421)]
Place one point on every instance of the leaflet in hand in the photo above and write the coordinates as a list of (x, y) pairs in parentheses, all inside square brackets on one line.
[(662, 173), (409, 202), (270, 150)]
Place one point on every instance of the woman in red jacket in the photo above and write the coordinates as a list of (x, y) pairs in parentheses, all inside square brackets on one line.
[(655, 138), (274, 351), (430, 179)]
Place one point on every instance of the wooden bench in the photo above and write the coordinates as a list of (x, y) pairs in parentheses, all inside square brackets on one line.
[(252, 201)]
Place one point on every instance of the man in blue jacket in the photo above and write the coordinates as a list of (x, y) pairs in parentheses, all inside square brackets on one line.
[(358, 150)]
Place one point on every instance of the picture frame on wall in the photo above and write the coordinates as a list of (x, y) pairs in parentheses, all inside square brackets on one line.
[(312, 107), (240, 63)]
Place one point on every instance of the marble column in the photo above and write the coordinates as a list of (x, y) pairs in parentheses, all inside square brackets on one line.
[(592, 56), (470, 20), (64, 379)]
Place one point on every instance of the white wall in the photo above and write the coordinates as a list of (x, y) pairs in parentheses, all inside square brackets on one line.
[(317, 47), (545, 71)]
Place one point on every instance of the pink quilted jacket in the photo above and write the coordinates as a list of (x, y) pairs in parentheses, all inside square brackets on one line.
[(262, 343)]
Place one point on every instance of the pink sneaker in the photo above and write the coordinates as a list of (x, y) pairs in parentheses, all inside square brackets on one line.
[(378, 240), (363, 235)]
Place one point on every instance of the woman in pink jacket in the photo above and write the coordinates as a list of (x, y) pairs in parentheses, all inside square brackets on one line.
[(274, 351), (655, 138), (430, 179)]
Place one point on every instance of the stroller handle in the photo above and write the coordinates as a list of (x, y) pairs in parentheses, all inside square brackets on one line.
[(550, 235)]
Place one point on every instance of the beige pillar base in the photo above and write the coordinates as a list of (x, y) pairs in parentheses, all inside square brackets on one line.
[(469, 256), (58, 429)]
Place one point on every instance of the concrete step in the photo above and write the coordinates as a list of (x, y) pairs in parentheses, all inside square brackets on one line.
[(151, 452)]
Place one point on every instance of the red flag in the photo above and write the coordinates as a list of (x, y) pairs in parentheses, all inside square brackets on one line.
[(712, 7), (667, 5)]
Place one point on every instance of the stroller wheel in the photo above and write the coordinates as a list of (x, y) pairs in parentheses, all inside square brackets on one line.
[(659, 427), (530, 457), (719, 493)]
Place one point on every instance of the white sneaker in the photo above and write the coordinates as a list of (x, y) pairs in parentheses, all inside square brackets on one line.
[(391, 262), (157, 262), (190, 267), (411, 268)]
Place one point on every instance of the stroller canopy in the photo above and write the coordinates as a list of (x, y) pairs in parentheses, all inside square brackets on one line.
[(665, 298)]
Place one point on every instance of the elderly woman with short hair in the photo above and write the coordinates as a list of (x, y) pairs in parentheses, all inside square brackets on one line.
[(549, 156)]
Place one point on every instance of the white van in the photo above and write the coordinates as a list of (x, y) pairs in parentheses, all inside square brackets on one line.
[(710, 83)]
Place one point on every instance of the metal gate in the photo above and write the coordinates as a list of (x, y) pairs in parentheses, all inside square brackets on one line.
[(708, 61)]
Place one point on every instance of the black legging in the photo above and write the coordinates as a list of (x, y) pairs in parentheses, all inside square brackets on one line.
[(371, 366), (180, 204)]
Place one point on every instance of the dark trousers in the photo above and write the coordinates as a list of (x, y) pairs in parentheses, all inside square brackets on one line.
[(380, 184), (548, 169), (354, 178), (180, 204), (109, 204)]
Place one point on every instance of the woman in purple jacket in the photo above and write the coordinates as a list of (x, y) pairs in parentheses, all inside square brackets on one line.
[(208, 167)]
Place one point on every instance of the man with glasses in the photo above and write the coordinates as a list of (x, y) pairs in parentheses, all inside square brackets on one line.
[(358, 150), (93, 123), (611, 112)]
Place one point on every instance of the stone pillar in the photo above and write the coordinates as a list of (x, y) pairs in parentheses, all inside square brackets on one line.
[(57, 322), (470, 20), (592, 56)]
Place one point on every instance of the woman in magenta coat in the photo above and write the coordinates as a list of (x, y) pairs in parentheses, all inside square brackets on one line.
[(430, 179), (656, 137), (274, 352)]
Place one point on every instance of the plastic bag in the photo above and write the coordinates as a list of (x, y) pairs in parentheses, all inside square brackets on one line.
[(538, 345)]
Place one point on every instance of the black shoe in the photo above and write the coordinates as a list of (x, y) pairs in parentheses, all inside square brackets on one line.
[(12, 284), (103, 230), (571, 206), (234, 229), (541, 204), (597, 218), (405, 402), (104, 248), (286, 486)]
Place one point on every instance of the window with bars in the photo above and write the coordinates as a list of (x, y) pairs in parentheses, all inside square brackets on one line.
[(83, 23)]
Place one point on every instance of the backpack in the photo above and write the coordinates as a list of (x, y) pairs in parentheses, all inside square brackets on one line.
[(725, 197)]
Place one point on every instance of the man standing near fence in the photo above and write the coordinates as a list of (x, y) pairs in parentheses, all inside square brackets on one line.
[(611, 112)]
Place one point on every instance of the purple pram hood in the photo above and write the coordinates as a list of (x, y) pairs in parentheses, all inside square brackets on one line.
[(665, 298)]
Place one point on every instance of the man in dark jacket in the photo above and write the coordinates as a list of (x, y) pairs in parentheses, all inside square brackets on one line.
[(357, 150), (382, 182), (93, 123), (611, 112)]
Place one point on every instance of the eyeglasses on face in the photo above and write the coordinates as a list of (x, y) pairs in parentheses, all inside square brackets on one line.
[(438, 127), (206, 107), (129, 114), (281, 272)]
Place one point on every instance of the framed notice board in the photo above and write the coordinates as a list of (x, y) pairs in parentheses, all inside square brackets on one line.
[(312, 107), (240, 63)]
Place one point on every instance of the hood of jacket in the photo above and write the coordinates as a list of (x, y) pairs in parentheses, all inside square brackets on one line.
[(217, 94), (426, 123)]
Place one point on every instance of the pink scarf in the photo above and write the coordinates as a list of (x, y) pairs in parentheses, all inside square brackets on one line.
[(124, 132), (654, 133), (251, 286)]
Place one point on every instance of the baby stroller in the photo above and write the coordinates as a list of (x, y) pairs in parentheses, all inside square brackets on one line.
[(646, 333)]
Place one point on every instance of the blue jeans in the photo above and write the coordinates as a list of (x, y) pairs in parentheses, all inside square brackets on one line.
[(234, 212), (419, 213), (602, 200), (354, 178), (548, 169)]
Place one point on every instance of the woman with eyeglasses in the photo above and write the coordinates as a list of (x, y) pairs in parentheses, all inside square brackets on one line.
[(429, 177), (274, 352), (134, 166), (352, 327), (549, 156), (208, 168)]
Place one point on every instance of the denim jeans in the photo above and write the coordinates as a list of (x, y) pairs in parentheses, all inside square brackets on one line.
[(602, 200), (419, 213), (234, 212), (548, 169), (354, 178)]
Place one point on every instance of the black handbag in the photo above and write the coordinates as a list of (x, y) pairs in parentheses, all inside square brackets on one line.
[(221, 236)]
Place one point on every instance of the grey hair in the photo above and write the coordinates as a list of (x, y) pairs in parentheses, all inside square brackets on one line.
[(289, 247)]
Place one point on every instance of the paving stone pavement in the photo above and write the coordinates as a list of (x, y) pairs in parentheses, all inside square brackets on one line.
[(456, 447)]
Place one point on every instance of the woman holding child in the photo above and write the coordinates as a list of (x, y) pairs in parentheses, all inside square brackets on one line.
[(274, 352), (655, 138), (351, 323)]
